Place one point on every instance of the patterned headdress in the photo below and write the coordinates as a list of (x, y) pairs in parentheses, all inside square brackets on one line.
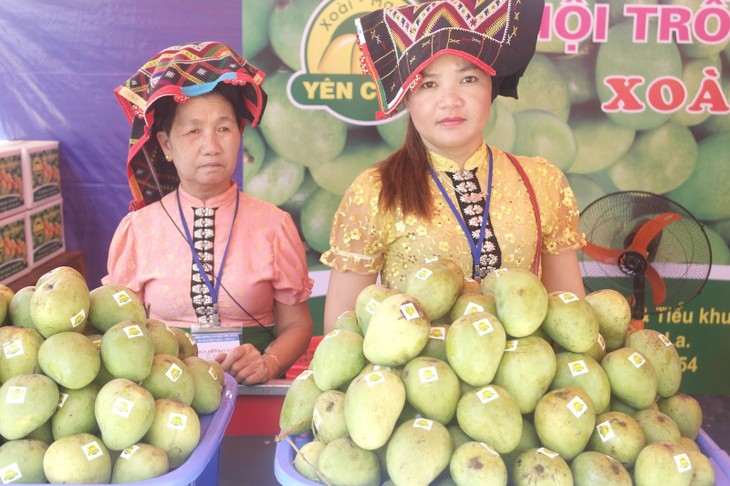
[(498, 36), (182, 72)]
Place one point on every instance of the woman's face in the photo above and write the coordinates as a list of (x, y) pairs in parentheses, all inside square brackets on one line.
[(451, 106), (204, 140)]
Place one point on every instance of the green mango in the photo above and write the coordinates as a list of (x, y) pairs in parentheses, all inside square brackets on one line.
[(663, 462), (526, 370), (26, 402), (418, 451), (490, 414), (586, 373), (169, 377), (338, 359), (124, 411), (474, 347), (591, 468), (477, 463), (70, 359), (111, 304), (298, 407), (78, 459), (140, 462), (373, 403), (662, 355), (632, 377), (342, 461), (521, 299), (207, 390), (397, 332), (127, 350), (432, 388), (618, 435), (564, 420), (22, 458), (541, 466), (570, 322), (175, 429), (75, 412)]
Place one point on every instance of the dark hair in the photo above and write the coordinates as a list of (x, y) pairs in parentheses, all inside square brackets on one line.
[(166, 107), (405, 178)]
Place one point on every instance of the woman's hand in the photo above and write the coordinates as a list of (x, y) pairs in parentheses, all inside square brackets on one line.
[(247, 365)]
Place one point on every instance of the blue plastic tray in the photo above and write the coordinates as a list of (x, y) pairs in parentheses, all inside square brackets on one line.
[(202, 467), (288, 476)]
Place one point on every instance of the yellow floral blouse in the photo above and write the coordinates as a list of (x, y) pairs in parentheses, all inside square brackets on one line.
[(365, 239)]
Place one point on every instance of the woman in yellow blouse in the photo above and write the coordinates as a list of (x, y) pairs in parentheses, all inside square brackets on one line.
[(446, 194)]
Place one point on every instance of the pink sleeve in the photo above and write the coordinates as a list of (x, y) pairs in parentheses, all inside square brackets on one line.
[(291, 281), (122, 260)]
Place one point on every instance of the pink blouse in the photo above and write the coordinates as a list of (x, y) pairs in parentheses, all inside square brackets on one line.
[(150, 255)]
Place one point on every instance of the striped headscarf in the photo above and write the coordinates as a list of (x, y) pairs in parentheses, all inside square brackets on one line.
[(180, 71)]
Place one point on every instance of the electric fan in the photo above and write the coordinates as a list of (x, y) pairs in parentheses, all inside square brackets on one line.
[(647, 247)]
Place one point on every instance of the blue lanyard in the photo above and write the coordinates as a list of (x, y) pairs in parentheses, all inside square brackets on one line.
[(476, 250), (214, 290)]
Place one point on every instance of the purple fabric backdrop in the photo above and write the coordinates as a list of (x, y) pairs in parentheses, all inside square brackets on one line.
[(59, 64)]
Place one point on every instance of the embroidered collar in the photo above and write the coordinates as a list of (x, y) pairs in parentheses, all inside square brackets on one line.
[(445, 164), (226, 198)]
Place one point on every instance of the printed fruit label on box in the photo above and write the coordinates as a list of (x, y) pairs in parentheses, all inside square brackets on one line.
[(46, 174), (13, 248), (47, 230), (11, 182)]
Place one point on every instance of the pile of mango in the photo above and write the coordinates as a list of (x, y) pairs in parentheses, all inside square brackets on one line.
[(92, 391), (449, 381)]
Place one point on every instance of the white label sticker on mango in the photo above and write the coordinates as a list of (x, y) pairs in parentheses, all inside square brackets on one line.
[(423, 273), (92, 450), (432, 259), (602, 342), (473, 307), (62, 397), (605, 431), (483, 326), (13, 348), (177, 421), (174, 372), (499, 272), (381, 367), (10, 473), (316, 419), (548, 452), (212, 373), (304, 375), (133, 331), (683, 463), (577, 406), (77, 319), (374, 378), (122, 298), (409, 311), (511, 346), (567, 297), (422, 423), (129, 451), (428, 374), (122, 407), (437, 332), (372, 306), (577, 368), (663, 338), (489, 448), (487, 394), (637, 360), (97, 343), (331, 334), (16, 394)]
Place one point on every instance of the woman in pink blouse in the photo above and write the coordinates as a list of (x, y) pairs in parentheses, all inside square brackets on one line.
[(195, 249)]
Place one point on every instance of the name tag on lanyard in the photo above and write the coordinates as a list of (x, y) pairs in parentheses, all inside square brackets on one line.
[(213, 341)]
